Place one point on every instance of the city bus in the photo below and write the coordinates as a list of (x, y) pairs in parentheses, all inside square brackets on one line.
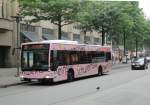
[(59, 60)]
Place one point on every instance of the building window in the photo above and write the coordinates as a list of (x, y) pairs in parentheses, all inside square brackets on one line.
[(87, 38), (96, 40), (76, 37), (25, 27), (65, 36), (47, 31), (77, 27), (24, 39), (48, 34), (1, 8)]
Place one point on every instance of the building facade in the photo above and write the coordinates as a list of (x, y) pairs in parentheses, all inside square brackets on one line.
[(44, 30), (7, 33)]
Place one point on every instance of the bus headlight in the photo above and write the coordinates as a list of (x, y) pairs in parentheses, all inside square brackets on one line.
[(21, 76), (47, 77)]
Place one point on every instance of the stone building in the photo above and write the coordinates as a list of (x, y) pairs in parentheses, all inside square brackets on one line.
[(7, 33), (44, 30)]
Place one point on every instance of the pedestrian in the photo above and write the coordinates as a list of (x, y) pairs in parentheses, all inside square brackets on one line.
[(120, 59), (113, 59)]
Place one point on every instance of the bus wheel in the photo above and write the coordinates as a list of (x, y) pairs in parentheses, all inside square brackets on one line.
[(100, 71), (70, 75)]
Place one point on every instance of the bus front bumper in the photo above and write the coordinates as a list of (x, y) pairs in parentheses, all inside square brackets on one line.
[(46, 79)]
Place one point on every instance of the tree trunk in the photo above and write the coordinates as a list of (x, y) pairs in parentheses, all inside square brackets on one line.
[(103, 36), (59, 28), (136, 44), (84, 36), (124, 43)]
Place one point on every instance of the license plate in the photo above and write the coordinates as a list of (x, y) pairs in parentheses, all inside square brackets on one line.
[(34, 80), (137, 66)]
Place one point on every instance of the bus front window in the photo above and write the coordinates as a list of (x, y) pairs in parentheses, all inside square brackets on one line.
[(35, 60)]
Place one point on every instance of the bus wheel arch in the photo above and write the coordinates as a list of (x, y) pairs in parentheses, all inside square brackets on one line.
[(70, 75), (100, 70)]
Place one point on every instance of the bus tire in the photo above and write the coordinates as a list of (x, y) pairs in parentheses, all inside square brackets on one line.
[(70, 75), (100, 71)]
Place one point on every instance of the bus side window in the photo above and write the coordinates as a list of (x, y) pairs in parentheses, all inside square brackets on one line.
[(74, 58), (64, 58), (67, 59), (108, 56), (85, 57), (98, 57), (60, 60), (54, 61)]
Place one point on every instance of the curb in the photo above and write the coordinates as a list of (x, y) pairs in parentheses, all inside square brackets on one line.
[(13, 84), (122, 66)]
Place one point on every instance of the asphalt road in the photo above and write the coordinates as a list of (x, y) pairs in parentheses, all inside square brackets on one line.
[(64, 93)]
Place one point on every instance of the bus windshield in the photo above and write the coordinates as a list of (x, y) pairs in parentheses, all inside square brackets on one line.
[(34, 59)]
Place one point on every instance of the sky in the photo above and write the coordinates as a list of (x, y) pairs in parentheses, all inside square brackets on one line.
[(145, 5)]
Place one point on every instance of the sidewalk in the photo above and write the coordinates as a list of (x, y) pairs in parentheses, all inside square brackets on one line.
[(118, 66), (8, 75)]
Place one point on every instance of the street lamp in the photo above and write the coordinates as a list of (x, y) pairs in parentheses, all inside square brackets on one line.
[(17, 19)]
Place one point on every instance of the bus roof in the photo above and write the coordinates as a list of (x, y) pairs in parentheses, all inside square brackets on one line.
[(52, 41), (59, 41)]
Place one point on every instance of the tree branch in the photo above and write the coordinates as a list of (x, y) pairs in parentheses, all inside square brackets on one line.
[(66, 24), (55, 23)]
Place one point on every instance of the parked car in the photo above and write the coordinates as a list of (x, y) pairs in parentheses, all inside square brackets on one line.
[(124, 60), (139, 63), (148, 58)]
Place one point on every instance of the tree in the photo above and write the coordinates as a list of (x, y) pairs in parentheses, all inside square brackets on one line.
[(138, 27), (58, 12), (124, 22), (84, 17), (147, 32), (129, 25), (104, 17)]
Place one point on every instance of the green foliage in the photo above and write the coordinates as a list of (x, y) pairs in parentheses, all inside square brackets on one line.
[(59, 12), (85, 16), (114, 19), (49, 9)]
